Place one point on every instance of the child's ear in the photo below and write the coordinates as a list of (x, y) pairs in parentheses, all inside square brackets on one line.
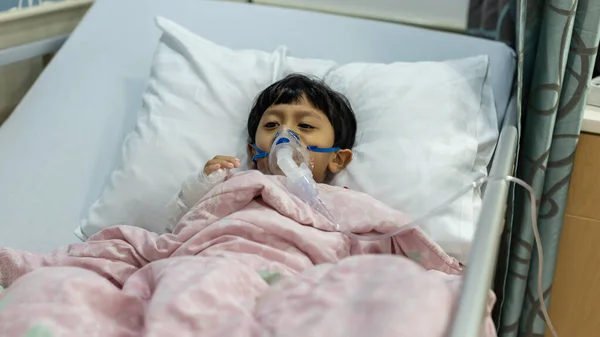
[(251, 153), (340, 160)]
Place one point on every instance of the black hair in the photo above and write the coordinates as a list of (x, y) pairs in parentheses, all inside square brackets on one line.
[(295, 87)]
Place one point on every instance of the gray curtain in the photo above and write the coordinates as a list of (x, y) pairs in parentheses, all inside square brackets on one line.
[(493, 19), (557, 42), (597, 67)]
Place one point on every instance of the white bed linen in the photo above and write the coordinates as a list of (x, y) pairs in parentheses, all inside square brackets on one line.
[(59, 147)]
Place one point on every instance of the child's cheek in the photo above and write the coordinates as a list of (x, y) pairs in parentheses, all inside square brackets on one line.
[(263, 166)]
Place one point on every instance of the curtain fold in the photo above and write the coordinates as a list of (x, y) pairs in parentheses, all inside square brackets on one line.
[(492, 19), (560, 41)]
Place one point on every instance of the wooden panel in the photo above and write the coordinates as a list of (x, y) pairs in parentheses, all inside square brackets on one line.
[(575, 299), (28, 25), (15, 81), (584, 193), (41, 22)]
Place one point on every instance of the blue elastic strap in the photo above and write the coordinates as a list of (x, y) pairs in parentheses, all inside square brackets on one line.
[(322, 149), (260, 154)]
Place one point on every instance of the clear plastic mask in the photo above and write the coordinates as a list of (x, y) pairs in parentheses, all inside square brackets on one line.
[(300, 154)]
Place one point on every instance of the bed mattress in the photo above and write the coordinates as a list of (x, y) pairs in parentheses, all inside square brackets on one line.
[(62, 142)]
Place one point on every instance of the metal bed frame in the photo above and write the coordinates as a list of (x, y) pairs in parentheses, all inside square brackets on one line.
[(486, 243), (480, 272)]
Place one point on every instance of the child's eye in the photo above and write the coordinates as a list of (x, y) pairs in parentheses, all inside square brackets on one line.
[(305, 126), (271, 125)]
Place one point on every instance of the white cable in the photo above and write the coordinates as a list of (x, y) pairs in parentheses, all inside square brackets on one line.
[(475, 184)]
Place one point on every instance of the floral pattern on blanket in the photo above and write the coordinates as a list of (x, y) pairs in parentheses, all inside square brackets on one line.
[(249, 259)]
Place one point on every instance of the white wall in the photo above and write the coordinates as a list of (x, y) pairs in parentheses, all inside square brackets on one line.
[(449, 14)]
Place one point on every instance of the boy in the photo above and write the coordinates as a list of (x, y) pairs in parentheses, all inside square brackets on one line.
[(321, 117)]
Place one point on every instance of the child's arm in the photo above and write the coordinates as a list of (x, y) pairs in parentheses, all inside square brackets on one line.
[(196, 186)]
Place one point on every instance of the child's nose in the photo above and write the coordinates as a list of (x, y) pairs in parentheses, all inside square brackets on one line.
[(289, 130)]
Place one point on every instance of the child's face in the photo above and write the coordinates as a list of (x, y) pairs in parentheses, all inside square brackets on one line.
[(309, 123)]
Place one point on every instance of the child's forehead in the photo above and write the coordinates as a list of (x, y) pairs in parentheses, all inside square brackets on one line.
[(300, 104), (303, 108)]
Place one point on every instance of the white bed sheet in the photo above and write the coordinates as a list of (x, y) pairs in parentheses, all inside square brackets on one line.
[(60, 145)]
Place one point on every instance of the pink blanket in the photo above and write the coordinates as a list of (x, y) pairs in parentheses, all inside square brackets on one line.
[(248, 260)]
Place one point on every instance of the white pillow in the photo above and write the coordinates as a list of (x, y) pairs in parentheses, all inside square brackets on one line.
[(195, 106), (424, 130)]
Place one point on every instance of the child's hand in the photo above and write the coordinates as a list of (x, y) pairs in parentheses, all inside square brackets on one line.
[(219, 162)]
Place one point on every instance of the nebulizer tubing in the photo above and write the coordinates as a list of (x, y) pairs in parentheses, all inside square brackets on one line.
[(475, 184)]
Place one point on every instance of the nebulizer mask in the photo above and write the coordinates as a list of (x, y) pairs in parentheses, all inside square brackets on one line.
[(288, 156)]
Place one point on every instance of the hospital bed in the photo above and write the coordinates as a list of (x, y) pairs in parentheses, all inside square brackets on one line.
[(58, 148)]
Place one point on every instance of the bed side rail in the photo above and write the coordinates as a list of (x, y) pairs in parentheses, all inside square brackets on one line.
[(469, 314)]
